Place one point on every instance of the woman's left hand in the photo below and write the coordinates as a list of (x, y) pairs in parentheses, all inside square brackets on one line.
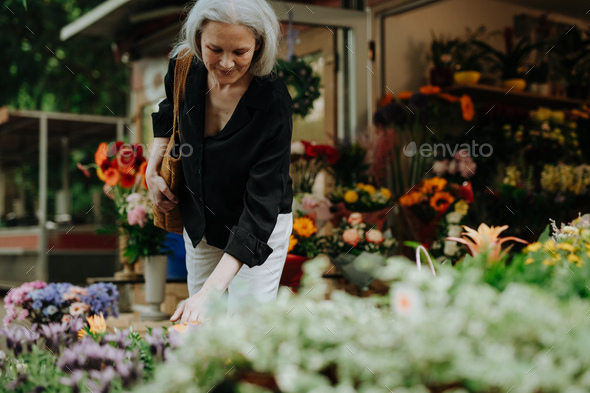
[(192, 310)]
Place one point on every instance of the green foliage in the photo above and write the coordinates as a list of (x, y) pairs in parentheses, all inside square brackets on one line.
[(41, 72), (351, 167)]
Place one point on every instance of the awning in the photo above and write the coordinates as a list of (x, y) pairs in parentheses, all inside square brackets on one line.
[(20, 140)]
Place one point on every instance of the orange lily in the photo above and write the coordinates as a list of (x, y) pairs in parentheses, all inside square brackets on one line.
[(485, 239)]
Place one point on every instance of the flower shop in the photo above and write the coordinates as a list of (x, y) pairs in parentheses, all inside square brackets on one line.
[(441, 229)]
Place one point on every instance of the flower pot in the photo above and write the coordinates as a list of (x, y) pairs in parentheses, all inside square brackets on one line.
[(466, 77), (292, 272), (441, 76), (358, 269), (517, 84), (155, 287), (127, 273)]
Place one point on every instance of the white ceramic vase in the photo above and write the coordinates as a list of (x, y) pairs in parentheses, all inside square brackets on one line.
[(155, 287)]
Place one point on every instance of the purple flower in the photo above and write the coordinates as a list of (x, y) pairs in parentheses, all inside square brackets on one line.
[(157, 340), (120, 338), (19, 338)]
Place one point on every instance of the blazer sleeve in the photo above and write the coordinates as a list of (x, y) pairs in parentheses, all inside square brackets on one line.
[(163, 120), (265, 190)]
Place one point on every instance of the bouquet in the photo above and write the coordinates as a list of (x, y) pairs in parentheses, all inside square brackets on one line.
[(362, 197), (304, 240), (308, 159), (39, 302), (354, 236), (122, 168)]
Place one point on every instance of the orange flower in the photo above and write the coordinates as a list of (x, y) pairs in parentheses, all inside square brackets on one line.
[(100, 156), (429, 89), (467, 107), (411, 198), (485, 240), (432, 185), (111, 177), (179, 327), (449, 97), (81, 333), (141, 172), (386, 99), (441, 201), (304, 227), (405, 95), (97, 324), (292, 242)]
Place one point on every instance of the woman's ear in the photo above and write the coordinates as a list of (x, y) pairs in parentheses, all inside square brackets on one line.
[(257, 45)]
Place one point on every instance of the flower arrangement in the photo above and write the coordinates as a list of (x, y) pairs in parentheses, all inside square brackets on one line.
[(354, 236), (450, 226), (460, 168), (304, 240), (308, 159), (565, 179), (56, 357), (122, 167), (362, 198), (39, 302)]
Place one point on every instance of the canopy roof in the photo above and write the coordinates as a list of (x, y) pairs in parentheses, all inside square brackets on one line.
[(19, 133)]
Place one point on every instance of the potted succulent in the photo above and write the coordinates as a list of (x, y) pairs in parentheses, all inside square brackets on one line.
[(442, 73), (511, 62), (467, 58)]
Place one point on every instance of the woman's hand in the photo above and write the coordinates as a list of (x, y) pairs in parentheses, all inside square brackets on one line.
[(192, 310), (160, 193)]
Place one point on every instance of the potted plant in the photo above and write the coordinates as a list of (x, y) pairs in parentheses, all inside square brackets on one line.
[(467, 58), (571, 58), (510, 62), (441, 48)]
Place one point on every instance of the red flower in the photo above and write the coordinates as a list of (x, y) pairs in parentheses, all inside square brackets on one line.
[(127, 179), (466, 192), (126, 159)]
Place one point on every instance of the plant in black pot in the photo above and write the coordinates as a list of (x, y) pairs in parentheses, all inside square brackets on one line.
[(571, 58), (510, 62), (441, 51)]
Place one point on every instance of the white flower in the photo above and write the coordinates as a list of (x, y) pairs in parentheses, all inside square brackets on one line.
[(440, 167), (451, 248), (454, 230), (454, 218), (297, 148), (406, 301)]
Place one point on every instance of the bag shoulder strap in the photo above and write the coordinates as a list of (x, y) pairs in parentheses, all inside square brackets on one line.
[(183, 64)]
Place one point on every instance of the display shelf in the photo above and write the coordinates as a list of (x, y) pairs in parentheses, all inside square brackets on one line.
[(524, 99)]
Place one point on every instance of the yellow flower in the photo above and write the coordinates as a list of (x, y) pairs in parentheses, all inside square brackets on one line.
[(550, 245), (351, 196), (385, 192), (369, 188), (292, 242), (179, 327), (360, 185), (565, 246), (462, 207), (528, 261), (573, 258), (547, 262), (441, 201), (304, 227), (534, 247), (81, 333), (100, 174)]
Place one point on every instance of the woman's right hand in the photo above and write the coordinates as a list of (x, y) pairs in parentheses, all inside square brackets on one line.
[(160, 193)]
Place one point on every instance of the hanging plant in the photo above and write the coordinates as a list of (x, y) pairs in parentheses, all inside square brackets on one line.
[(301, 82)]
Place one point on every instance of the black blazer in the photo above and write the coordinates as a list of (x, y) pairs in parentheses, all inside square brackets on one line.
[(237, 182)]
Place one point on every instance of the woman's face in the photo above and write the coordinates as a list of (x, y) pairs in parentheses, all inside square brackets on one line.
[(227, 51)]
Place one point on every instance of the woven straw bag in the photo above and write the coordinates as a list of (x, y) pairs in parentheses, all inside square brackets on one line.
[(171, 169)]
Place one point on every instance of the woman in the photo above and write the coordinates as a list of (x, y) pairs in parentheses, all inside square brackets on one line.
[(235, 128)]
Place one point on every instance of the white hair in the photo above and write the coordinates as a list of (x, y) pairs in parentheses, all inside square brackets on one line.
[(256, 15)]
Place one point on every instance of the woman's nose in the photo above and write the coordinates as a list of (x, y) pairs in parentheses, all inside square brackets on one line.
[(227, 62)]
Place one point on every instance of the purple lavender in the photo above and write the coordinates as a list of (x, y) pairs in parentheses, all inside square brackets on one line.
[(19, 338)]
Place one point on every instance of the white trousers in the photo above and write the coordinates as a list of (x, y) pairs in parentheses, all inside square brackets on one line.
[(251, 286)]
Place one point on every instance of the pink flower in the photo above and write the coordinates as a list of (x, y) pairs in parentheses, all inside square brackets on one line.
[(137, 216), (84, 169), (78, 308), (309, 202), (351, 236), (355, 219), (108, 191), (374, 236), (467, 169), (452, 168), (23, 315), (134, 198)]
